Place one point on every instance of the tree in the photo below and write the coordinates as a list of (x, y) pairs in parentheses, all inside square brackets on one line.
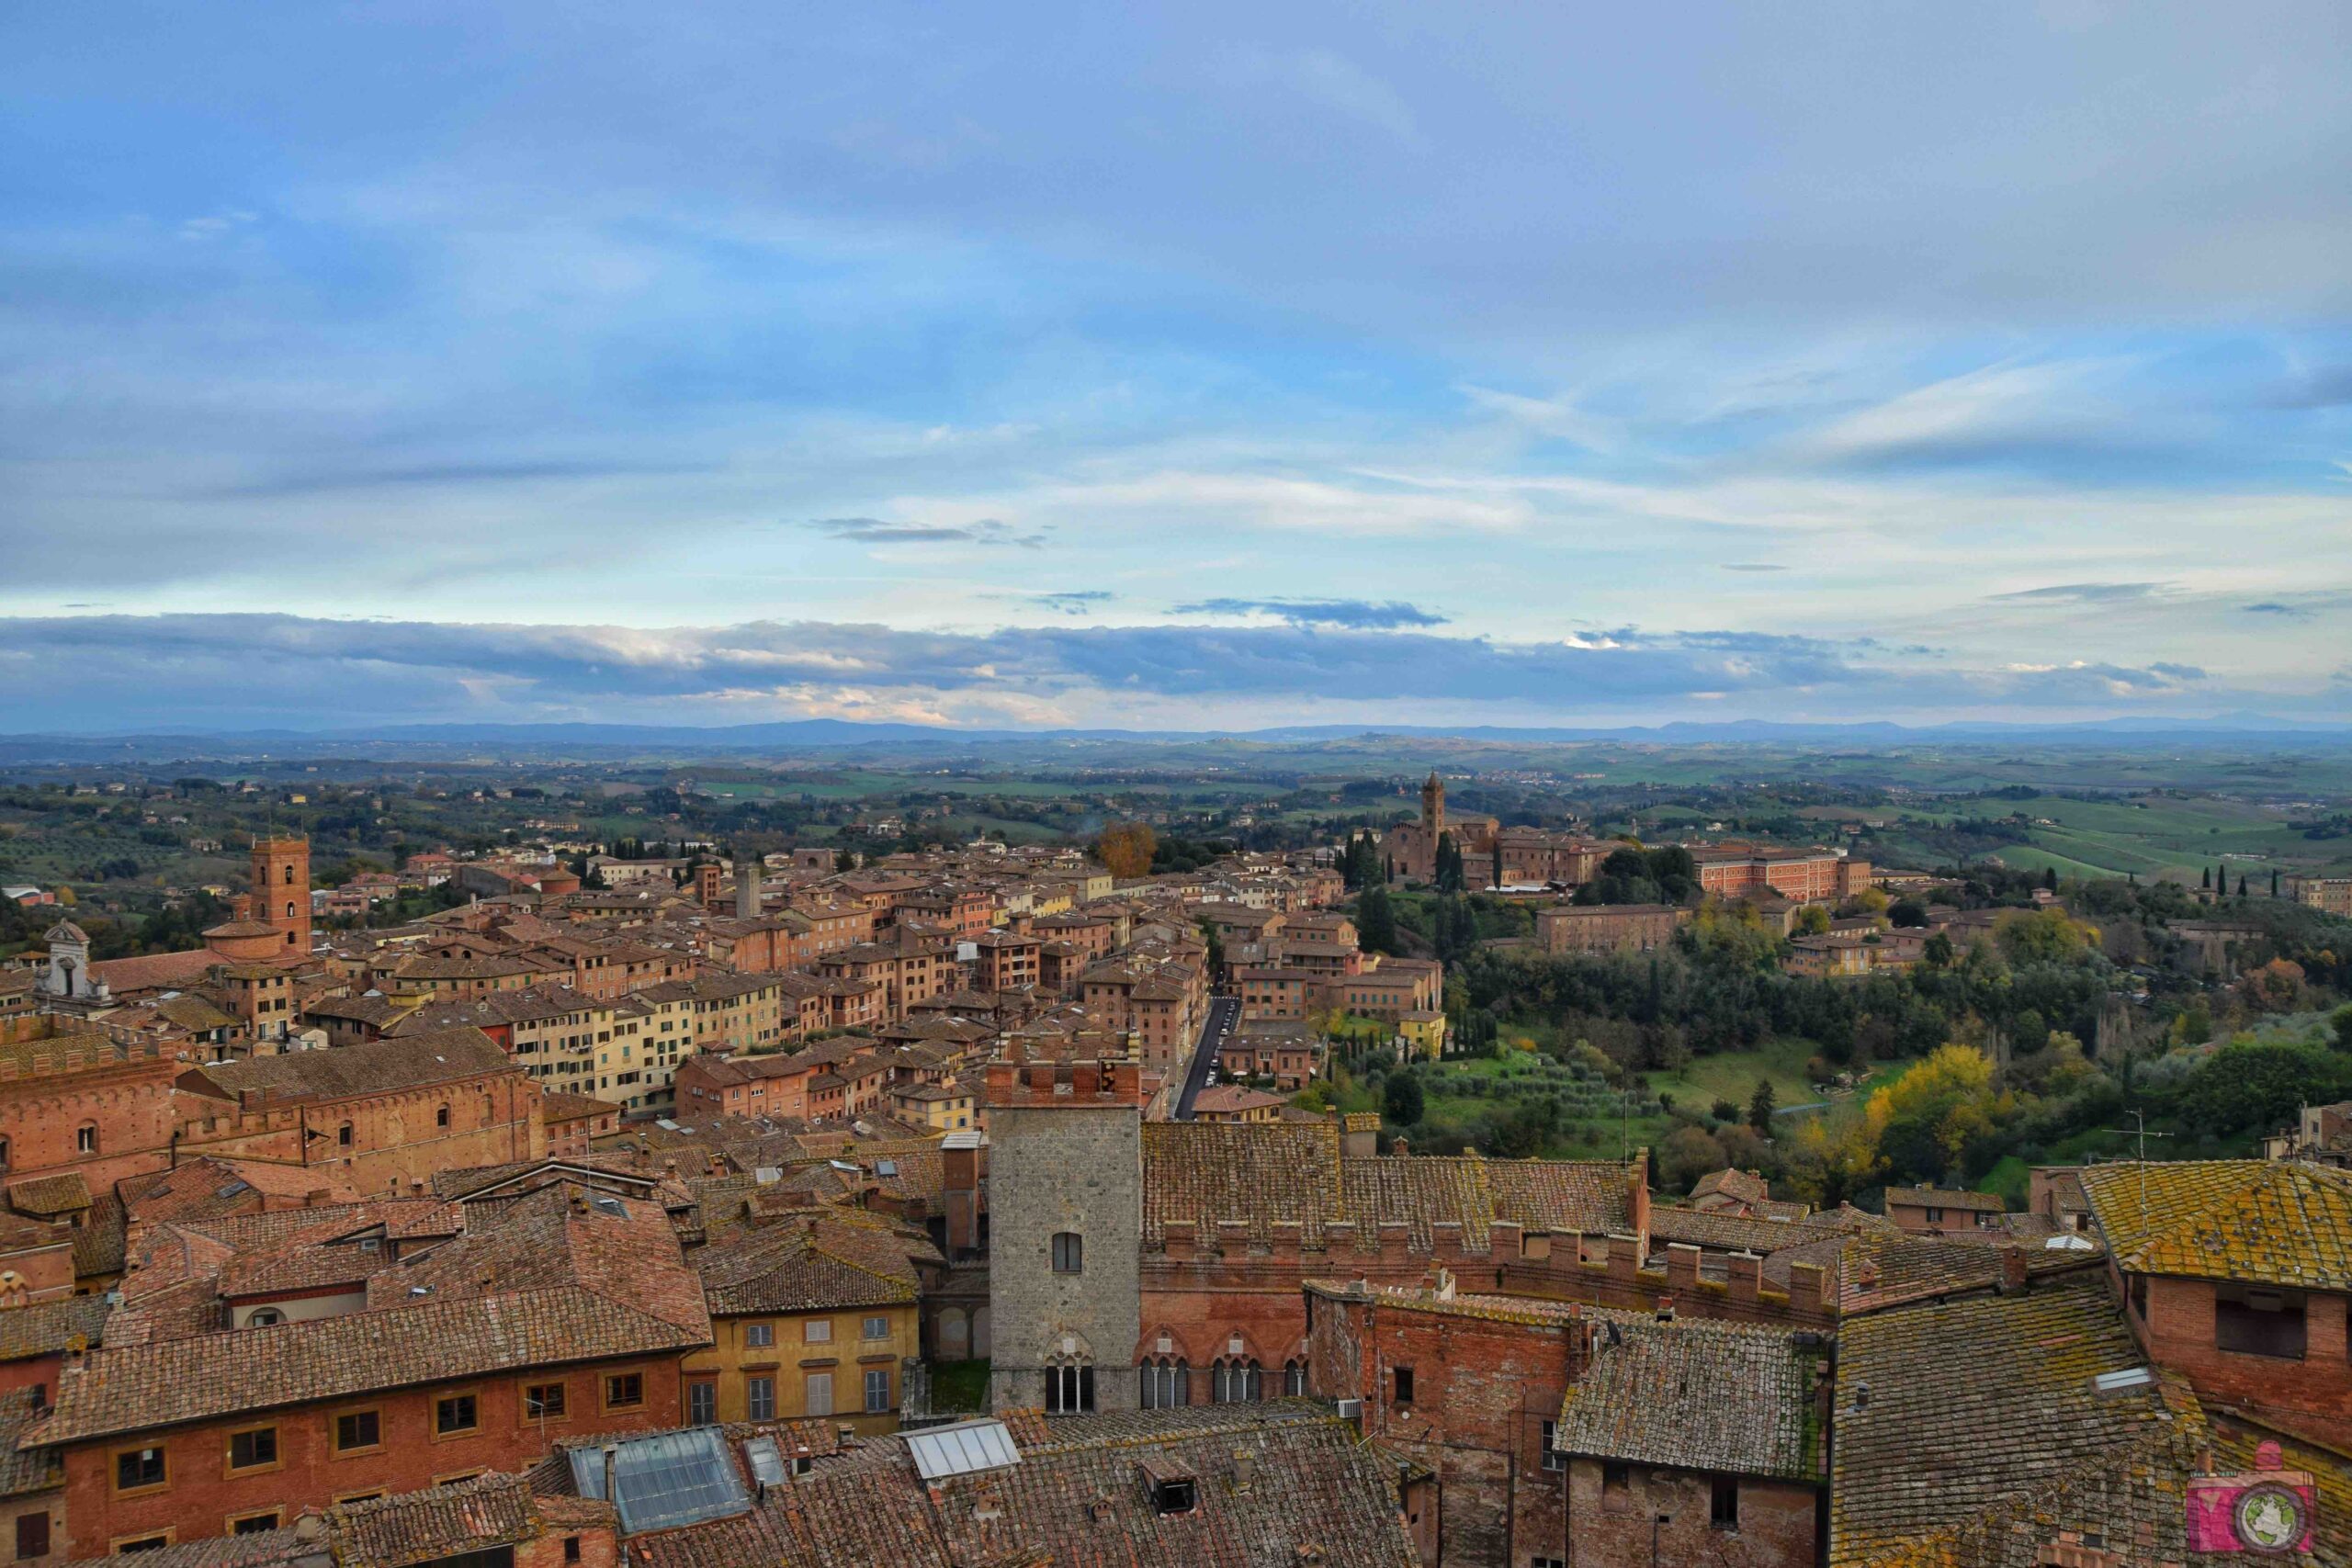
[(1761, 1106), (2274, 881), (1401, 1102), (1928, 1117), (65, 895), (2207, 875), (1688, 1154), (1829, 1161), (1812, 921), (844, 860), (1375, 921), (1125, 848), (2341, 1021), (2241, 885), (1448, 864), (2041, 936), (1938, 951), (2050, 877)]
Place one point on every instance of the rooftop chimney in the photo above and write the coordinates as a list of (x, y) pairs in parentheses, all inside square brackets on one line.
[(2012, 1267)]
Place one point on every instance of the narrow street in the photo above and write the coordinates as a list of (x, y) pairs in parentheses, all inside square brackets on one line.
[(1225, 1012)]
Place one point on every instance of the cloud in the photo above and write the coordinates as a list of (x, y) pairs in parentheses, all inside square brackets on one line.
[(2326, 386), (2081, 594), (1360, 614), (1750, 566), (1068, 601), (2272, 608), (221, 670), (986, 531)]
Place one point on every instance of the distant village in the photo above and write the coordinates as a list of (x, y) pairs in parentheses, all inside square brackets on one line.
[(778, 1205)]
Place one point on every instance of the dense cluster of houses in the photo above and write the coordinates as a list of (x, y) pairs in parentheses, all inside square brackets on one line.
[(649, 1225)]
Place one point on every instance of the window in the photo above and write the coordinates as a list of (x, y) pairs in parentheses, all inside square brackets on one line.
[(543, 1402), (1294, 1378), (137, 1467), (266, 1317), (818, 1331), (817, 1396), (1069, 1390), (456, 1413), (1935, 1216), (355, 1430), (2255, 1322), (1616, 1487), (1167, 1384), (1404, 1376), (702, 1403), (1176, 1495), (85, 1138), (32, 1535), (1722, 1505), (143, 1543), (759, 1333), (875, 1329), (878, 1391), (441, 1117), (3, 1154), (253, 1524), (1236, 1383), (759, 1399), (360, 1496), (1553, 1459), (624, 1391), (1069, 1252), (343, 1136), (1547, 1562), (254, 1447), (571, 1549)]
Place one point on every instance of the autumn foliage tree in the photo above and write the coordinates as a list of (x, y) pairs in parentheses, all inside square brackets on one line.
[(1125, 848)]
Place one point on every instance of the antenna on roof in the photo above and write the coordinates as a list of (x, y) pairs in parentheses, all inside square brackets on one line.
[(2139, 1130)]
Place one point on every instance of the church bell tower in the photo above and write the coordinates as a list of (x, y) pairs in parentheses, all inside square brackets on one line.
[(281, 895)]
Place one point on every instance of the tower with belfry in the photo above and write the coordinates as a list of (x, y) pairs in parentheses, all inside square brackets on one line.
[(281, 895), (1434, 807)]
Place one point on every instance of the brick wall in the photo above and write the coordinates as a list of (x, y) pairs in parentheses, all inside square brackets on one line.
[(200, 1495), (2312, 1394)]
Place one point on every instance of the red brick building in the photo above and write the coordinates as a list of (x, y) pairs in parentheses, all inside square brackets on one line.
[(551, 1313)]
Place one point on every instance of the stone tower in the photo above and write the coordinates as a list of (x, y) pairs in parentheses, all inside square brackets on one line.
[(281, 892), (1065, 1235), (747, 883), (1434, 807)]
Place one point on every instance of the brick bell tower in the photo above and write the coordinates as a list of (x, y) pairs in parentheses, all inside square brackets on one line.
[(1433, 808), (282, 891)]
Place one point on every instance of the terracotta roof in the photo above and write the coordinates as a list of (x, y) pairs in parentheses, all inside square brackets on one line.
[(546, 1282), (1317, 1495), (373, 1066), (1694, 1395), (154, 971), (1877, 1269), (48, 1196), (812, 1264), (1945, 1411), (1260, 1173), (2261, 1222), (44, 1328), (25, 1469), (1946, 1198)]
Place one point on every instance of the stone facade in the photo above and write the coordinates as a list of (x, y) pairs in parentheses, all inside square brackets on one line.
[(1065, 1160)]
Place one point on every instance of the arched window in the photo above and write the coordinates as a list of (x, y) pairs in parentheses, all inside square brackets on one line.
[(289, 877), (266, 1317), (1238, 1382), (343, 1136), (1295, 1377), (85, 1138), (289, 909), (441, 1117), (1069, 1252), (1069, 1388), (1167, 1384)]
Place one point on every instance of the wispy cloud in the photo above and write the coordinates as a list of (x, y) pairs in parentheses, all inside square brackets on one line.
[(1362, 613), (1751, 565), (1068, 601), (986, 531), (2081, 594)]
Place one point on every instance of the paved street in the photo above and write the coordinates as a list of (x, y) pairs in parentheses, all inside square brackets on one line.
[(1225, 1013)]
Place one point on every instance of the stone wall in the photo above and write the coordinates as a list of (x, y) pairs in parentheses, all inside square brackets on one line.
[(1053, 1168)]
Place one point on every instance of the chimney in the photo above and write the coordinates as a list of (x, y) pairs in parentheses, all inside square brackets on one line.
[(2012, 1267), (1401, 1146), (1665, 1309)]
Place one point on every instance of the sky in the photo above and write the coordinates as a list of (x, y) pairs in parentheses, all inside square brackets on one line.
[(1195, 366)]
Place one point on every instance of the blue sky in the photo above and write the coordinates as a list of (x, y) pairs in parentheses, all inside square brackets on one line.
[(1196, 365)]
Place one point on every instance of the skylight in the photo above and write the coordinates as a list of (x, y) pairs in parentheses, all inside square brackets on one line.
[(665, 1481), (961, 1449)]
